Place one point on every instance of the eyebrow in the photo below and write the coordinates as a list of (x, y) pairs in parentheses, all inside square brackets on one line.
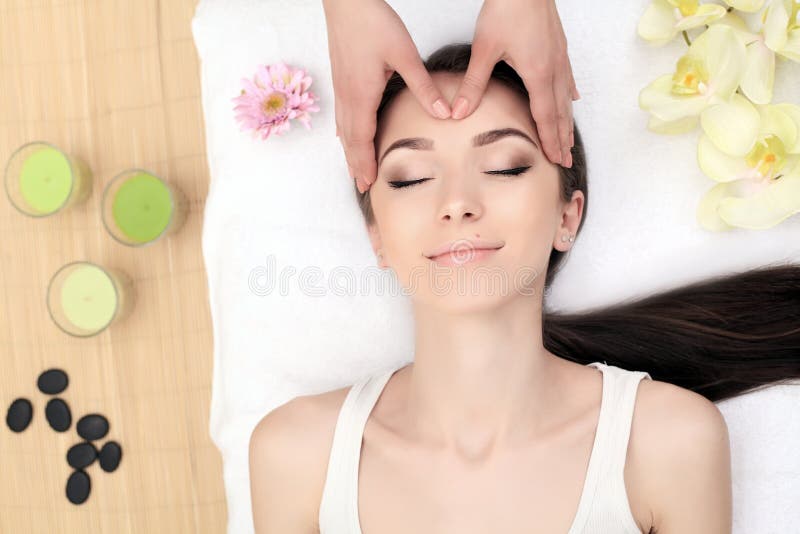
[(423, 143)]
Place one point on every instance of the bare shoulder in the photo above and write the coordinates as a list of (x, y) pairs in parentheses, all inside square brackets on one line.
[(288, 453), (681, 439)]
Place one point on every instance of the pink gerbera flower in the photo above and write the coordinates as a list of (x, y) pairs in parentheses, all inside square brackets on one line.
[(277, 94)]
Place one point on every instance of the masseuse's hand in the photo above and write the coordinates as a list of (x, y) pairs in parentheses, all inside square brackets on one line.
[(526, 34), (367, 42)]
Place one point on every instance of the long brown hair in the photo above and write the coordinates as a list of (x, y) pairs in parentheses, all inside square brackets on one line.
[(719, 337)]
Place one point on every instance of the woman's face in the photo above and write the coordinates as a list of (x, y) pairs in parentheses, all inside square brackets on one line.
[(462, 197)]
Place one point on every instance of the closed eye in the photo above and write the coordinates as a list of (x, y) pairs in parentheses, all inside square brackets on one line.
[(408, 183)]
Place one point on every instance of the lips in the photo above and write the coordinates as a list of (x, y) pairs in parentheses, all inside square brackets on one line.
[(460, 257), (464, 247)]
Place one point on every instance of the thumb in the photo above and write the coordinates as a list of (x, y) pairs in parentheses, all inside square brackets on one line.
[(421, 85), (481, 64)]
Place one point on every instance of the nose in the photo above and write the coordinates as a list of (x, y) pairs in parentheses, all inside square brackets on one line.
[(460, 206)]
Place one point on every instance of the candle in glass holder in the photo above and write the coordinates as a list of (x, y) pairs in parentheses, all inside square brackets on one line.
[(41, 179), (84, 299), (139, 207)]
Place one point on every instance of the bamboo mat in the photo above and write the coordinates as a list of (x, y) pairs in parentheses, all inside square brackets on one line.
[(115, 82)]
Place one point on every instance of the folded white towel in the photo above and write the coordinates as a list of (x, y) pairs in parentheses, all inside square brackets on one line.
[(288, 200)]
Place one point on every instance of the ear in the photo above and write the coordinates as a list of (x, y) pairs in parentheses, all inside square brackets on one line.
[(570, 220), (375, 240)]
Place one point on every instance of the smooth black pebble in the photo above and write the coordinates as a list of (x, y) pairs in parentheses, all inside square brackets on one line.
[(52, 381), (110, 455), (58, 415), (78, 487), (19, 415), (81, 455), (93, 426)]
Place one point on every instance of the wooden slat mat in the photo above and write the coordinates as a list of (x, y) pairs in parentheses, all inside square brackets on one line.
[(117, 83)]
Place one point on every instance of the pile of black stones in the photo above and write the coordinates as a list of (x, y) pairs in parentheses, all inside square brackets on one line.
[(91, 427)]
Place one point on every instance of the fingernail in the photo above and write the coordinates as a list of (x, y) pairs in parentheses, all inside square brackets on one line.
[(461, 108), (441, 109)]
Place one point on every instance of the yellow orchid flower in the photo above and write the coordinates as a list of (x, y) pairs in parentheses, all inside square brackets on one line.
[(750, 6), (759, 73), (754, 152), (664, 19), (781, 22), (709, 73)]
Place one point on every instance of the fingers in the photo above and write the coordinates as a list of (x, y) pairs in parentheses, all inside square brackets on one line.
[(421, 85), (543, 109), (562, 91), (355, 126), (473, 85)]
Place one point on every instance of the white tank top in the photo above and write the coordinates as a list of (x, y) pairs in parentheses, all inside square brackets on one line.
[(603, 506)]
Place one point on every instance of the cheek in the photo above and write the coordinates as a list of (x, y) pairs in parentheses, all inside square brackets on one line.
[(527, 220)]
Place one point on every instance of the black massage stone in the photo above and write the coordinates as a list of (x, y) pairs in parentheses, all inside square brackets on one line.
[(110, 455), (78, 487), (19, 415), (58, 415), (81, 455), (52, 381), (93, 426)]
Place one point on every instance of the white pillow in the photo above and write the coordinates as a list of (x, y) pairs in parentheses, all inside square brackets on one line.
[(289, 198)]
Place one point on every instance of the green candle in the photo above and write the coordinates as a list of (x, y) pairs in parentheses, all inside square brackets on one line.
[(142, 207), (45, 180), (88, 297)]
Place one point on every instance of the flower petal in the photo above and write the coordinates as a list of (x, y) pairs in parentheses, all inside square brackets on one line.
[(657, 24), (750, 6), (658, 99), (793, 112), (775, 25), (759, 75), (765, 209), (705, 14), (725, 57), (707, 215), (780, 120), (732, 125), (791, 49), (719, 165), (679, 126)]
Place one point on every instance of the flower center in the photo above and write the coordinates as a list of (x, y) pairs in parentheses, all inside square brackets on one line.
[(273, 104), (686, 8), (768, 156), (690, 76)]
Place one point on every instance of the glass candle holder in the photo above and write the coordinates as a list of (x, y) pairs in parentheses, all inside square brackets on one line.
[(41, 179), (139, 208), (84, 298)]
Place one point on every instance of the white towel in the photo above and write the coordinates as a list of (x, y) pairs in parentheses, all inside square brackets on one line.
[(288, 201)]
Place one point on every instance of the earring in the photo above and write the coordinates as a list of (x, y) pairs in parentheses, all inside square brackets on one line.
[(564, 238)]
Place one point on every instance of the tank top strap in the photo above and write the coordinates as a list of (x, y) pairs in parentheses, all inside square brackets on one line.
[(340, 492), (609, 509), (624, 401)]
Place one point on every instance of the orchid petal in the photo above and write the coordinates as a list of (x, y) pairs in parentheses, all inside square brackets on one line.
[(793, 112), (781, 120), (725, 56), (705, 14), (750, 6), (707, 215), (774, 203), (759, 75), (658, 99), (791, 49), (732, 125), (657, 24), (679, 126), (775, 25), (718, 165)]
